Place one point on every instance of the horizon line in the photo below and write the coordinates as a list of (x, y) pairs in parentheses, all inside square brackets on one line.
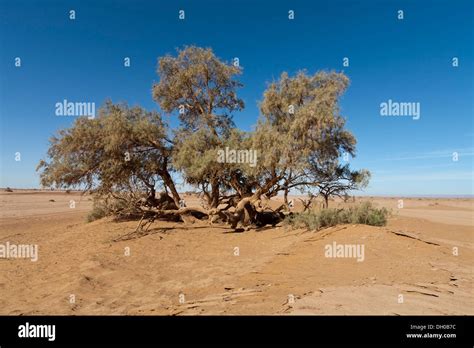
[(391, 195)]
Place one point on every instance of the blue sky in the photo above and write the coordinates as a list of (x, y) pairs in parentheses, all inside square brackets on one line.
[(407, 60)]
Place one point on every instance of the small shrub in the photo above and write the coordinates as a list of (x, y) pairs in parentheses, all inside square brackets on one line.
[(8, 189), (330, 217), (121, 208), (98, 212), (365, 213), (378, 217), (304, 220)]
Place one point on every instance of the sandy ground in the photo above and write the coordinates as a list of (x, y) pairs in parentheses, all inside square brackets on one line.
[(409, 266)]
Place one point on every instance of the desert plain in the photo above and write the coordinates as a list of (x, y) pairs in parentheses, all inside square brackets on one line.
[(420, 263)]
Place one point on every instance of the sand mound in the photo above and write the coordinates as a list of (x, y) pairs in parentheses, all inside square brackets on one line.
[(202, 269)]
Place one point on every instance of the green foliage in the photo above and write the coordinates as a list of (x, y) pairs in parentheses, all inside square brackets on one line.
[(304, 112), (119, 206), (334, 179), (99, 211), (122, 149), (202, 90), (365, 213), (307, 220), (300, 122), (204, 86)]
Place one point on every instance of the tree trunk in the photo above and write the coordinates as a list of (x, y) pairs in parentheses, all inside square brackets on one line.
[(214, 193), (326, 201), (168, 213), (168, 180), (242, 206)]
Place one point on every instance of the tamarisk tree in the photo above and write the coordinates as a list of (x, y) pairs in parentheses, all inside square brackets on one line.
[(334, 179), (123, 152), (126, 151), (201, 90)]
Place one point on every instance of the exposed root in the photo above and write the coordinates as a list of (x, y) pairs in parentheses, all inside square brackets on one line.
[(413, 237)]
